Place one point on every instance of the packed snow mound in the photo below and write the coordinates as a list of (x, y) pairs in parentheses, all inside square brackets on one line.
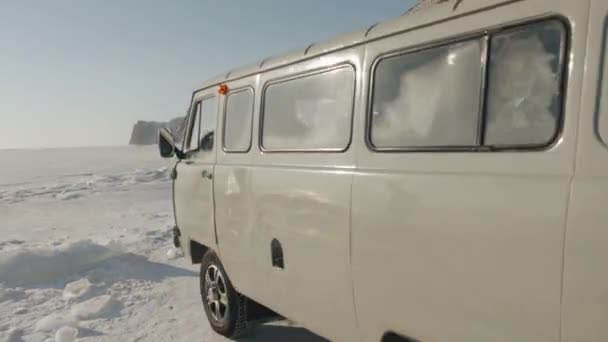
[(105, 306), (174, 253), (61, 267), (65, 196), (66, 334), (71, 188), (7, 294), (55, 321), (77, 289), (12, 335), (28, 267)]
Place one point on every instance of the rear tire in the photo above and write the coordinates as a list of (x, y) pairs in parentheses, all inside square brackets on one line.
[(226, 309)]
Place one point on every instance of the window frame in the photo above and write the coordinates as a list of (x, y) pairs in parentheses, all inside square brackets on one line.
[(217, 113), (485, 36), (313, 72), (197, 102), (224, 115), (195, 109), (561, 88), (399, 53), (601, 115)]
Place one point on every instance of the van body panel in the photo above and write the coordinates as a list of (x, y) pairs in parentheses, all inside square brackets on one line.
[(234, 198), (585, 302), (308, 212), (193, 194), (301, 199), (463, 246), (438, 13), (448, 257), (585, 307), (235, 215)]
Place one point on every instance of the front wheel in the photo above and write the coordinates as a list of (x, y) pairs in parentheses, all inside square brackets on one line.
[(226, 309)]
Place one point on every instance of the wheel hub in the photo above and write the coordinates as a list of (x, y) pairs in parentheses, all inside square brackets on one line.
[(217, 295), (213, 293)]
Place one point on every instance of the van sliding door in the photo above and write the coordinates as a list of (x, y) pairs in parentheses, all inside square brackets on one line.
[(301, 188)]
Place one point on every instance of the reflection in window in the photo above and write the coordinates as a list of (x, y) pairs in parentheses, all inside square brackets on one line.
[(195, 128), (311, 112), (523, 104), (428, 98), (208, 123)]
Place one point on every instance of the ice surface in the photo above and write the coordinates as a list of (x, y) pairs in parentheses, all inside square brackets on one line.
[(41, 165), (12, 335), (77, 289), (174, 253), (64, 196), (54, 321), (98, 307), (70, 189), (59, 264), (30, 267), (20, 311), (11, 294)]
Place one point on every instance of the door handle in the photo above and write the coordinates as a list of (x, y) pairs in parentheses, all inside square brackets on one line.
[(207, 174)]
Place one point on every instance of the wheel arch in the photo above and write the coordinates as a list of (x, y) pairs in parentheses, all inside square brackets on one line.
[(390, 336), (197, 251)]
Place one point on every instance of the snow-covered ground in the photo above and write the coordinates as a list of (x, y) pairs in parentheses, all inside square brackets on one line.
[(86, 251)]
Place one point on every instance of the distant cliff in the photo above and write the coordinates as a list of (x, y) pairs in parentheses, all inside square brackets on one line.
[(146, 132)]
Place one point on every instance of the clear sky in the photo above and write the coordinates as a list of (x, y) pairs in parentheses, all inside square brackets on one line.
[(80, 73)]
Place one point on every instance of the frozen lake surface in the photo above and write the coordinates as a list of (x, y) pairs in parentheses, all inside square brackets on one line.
[(86, 251)]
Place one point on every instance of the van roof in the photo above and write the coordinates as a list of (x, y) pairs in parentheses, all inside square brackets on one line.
[(426, 12)]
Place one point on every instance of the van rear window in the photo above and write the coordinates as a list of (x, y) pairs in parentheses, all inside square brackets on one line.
[(428, 98), (524, 102), (311, 112), (455, 95)]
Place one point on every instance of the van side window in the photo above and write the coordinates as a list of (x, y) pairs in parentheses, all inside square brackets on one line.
[(524, 102), (311, 112), (428, 98), (195, 128), (208, 123), (238, 119), (434, 98)]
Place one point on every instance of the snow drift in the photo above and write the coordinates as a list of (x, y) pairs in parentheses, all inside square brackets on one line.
[(36, 266), (70, 189)]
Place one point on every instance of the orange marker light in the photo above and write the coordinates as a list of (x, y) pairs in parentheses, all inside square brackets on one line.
[(222, 89)]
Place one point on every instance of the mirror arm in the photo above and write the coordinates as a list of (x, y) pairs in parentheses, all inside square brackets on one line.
[(179, 154)]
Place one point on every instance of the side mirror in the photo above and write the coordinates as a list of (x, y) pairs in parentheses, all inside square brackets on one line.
[(166, 145)]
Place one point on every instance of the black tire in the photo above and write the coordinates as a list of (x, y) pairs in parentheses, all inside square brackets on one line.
[(227, 319)]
